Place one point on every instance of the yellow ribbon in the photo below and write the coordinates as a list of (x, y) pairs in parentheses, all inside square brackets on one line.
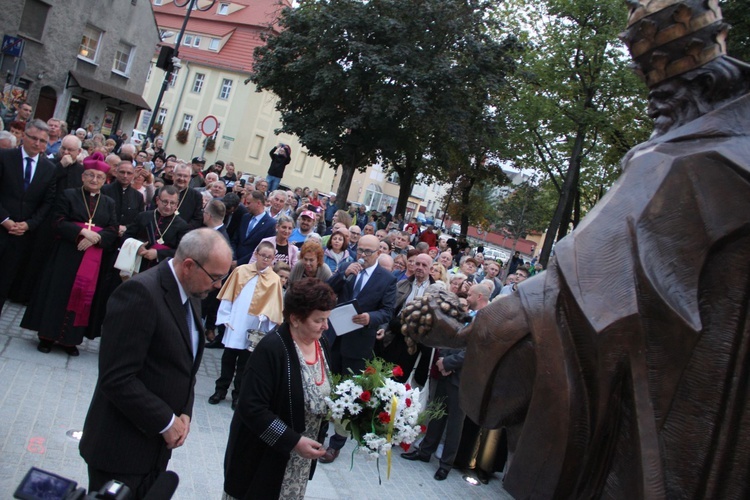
[(394, 406)]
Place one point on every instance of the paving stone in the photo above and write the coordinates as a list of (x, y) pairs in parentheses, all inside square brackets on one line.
[(42, 396)]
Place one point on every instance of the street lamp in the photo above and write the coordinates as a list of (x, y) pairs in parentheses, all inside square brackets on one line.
[(175, 62)]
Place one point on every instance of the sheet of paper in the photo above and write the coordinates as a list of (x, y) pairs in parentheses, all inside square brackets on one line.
[(341, 319)]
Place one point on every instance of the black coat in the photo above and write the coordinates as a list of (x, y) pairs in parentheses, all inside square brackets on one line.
[(32, 205), (278, 164), (269, 420), (139, 230), (128, 202), (146, 375)]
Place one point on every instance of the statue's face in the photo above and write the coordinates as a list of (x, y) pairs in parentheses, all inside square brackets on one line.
[(671, 104)]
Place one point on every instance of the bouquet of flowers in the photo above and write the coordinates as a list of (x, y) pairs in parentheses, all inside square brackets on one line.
[(377, 411)]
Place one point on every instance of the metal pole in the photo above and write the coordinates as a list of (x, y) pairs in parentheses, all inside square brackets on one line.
[(165, 83)]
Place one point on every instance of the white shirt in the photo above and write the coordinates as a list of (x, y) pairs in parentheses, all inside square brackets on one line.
[(238, 320), (366, 273)]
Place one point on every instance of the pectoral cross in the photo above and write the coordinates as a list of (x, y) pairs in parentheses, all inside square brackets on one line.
[(89, 224)]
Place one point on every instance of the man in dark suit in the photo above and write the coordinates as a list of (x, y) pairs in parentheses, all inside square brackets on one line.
[(128, 202), (150, 352), (234, 213), (27, 192), (375, 291), (255, 225), (190, 207)]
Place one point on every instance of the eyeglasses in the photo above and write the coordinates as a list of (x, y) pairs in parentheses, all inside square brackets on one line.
[(92, 175), (213, 280), (168, 203), (38, 140), (265, 257), (364, 252)]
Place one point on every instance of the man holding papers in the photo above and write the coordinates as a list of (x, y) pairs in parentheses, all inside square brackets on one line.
[(374, 290)]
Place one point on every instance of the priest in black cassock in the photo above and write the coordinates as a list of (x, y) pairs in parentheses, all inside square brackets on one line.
[(68, 172), (86, 227), (161, 230), (190, 206), (128, 204)]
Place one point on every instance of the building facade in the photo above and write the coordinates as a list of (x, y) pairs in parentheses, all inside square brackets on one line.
[(216, 55), (83, 61)]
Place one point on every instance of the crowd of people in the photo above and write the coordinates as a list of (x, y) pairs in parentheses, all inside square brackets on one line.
[(95, 229)]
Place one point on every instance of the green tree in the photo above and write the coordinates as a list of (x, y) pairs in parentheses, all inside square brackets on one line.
[(522, 211), (737, 13), (577, 106), (359, 81)]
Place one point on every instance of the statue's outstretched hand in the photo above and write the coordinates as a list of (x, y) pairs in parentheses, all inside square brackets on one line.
[(435, 320)]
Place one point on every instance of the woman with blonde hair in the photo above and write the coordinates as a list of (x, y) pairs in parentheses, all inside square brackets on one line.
[(438, 273)]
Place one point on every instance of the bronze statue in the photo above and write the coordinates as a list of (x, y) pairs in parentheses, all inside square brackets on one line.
[(623, 371)]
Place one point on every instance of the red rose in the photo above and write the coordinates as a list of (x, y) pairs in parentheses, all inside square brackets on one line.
[(384, 417), (408, 402), (405, 446), (365, 396), (397, 371), (370, 370), (408, 386), (422, 429)]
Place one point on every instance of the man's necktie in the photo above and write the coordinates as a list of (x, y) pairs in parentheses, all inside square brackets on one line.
[(358, 284), (27, 173), (191, 328), (251, 226)]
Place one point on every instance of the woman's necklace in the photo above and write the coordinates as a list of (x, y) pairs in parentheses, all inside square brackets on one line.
[(90, 223), (159, 233), (318, 358)]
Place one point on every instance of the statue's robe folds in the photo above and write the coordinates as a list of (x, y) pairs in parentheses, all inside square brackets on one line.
[(631, 379)]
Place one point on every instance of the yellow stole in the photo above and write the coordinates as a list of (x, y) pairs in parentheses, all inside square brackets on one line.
[(267, 298)]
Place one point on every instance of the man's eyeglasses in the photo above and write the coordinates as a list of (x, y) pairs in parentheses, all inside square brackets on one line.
[(213, 279), (364, 252), (38, 140), (168, 203)]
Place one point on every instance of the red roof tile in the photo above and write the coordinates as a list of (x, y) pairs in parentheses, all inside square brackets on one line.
[(243, 27)]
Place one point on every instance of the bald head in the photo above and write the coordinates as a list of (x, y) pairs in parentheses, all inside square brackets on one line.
[(368, 244), (386, 262), (478, 297), (422, 265)]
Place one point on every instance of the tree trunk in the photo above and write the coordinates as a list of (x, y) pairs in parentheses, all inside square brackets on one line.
[(406, 177), (465, 200), (347, 174), (565, 203)]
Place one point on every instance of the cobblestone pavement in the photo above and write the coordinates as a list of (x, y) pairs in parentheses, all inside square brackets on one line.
[(44, 396)]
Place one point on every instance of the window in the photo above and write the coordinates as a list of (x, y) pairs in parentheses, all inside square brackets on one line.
[(90, 43), (148, 75), (162, 116), (173, 77), (393, 178), (226, 89), (123, 56), (34, 18), (187, 39), (187, 121), (223, 9), (255, 145), (198, 82), (196, 41), (214, 44), (157, 2)]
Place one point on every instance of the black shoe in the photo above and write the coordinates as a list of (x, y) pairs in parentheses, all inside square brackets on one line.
[(441, 474), (216, 342), (72, 350), (415, 455), (217, 397), (44, 346), (330, 456), (482, 476)]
